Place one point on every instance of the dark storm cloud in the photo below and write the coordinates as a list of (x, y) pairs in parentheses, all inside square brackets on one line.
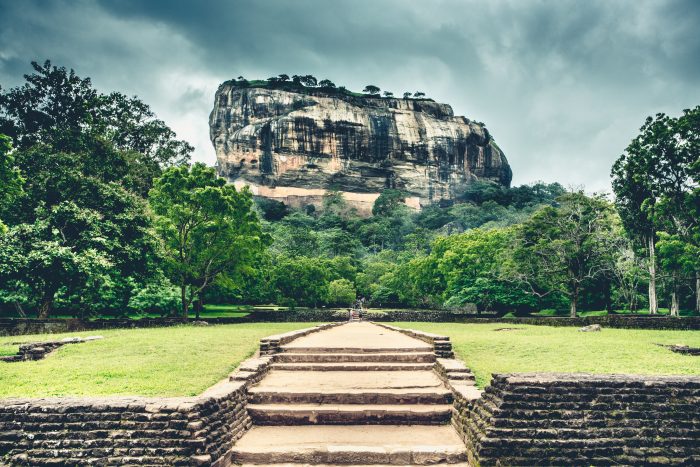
[(562, 85)]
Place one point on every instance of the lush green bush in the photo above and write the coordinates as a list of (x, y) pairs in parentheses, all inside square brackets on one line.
[(341, 292)]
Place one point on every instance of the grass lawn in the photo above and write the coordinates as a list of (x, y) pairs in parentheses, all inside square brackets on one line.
[(171, 361), (564, 349)]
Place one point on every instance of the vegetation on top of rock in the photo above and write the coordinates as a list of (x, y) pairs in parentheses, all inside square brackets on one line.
[(308, 84)]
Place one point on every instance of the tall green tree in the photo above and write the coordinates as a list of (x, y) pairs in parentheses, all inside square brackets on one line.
[(654, 184), (57, 108), (208, 228), (470, 267), (561, 248)]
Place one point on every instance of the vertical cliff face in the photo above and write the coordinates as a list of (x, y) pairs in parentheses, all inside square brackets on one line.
[(293, 146)]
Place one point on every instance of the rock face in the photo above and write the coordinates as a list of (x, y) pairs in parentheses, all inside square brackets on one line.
[(294, 146)]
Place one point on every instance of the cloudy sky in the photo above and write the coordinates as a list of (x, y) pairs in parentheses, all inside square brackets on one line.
[(563, 86)]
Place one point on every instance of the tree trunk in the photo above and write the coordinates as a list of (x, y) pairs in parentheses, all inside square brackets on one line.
[(46, 305), (198, 305), (674, 301), (653, 303), (20, 310), (574, 302), (185, 301)]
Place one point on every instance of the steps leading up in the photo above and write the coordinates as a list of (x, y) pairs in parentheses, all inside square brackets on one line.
[(333, 357), (360, 350), (355, 444), (349, 414), (353, 366), (356, 394)]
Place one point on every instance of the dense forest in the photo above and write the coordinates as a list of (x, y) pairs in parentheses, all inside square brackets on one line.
[(101, 213)]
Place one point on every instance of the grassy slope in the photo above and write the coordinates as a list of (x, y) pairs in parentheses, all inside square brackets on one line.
[(564, 349), (174, 361)]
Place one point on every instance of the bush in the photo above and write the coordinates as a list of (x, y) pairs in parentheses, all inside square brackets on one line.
[(161, 298), (341, 292)]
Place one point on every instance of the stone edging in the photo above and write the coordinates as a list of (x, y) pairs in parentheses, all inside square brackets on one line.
[(20, 326), (198, 430), (270, 345), (39, 350), (441, 344)]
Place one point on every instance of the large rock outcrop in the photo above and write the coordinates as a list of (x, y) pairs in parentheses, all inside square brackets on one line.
[(293, 146)]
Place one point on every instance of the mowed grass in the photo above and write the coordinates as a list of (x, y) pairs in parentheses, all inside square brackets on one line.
[(172, 361), (564, 349)]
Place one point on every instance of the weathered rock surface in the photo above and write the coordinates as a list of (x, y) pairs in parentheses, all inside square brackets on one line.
[(294, 146)]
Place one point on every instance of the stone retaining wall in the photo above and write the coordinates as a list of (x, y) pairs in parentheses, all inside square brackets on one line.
[(19, 326), (196, 430), (441, 344), (581, 419), (123, 430), (271, 345)]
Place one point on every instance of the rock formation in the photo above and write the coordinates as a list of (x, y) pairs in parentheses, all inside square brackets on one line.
[(294, 145)]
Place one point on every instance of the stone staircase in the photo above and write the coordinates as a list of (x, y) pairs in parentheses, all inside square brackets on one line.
[(356, 394)]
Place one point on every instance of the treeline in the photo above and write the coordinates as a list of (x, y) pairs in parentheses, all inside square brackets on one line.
[(102, 214)]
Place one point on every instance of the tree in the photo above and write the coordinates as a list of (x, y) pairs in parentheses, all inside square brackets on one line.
[(627, 271), (283, 77), (58, 108), (371, 89), (654, 185), (388, 201), (341, 292), (681, 259), (467, 269), (407, 95), (418, 94), (297, 79), (560, 249), (207, 227), (388, 94), (66, 194), (326, 83), (301, 281), (308, 80)]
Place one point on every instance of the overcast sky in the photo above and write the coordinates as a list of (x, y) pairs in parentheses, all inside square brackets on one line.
[(563, 86)]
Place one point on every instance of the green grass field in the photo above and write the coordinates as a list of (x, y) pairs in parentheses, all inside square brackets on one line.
[(564, 349), (173, 361)]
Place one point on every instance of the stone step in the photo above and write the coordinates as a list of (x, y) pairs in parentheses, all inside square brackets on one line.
[(377, 396), (361, 350), (407, 357), (351, 414), (350, 444), (353, 366), (350, 387)]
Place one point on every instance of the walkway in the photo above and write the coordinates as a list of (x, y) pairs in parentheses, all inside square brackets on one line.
[(356, 394)]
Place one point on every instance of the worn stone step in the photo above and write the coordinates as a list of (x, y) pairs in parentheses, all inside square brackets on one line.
[(363, 350), (353, 366), (350, 414), (351, 444), (351, 387), (410, 357), (377, 396)]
